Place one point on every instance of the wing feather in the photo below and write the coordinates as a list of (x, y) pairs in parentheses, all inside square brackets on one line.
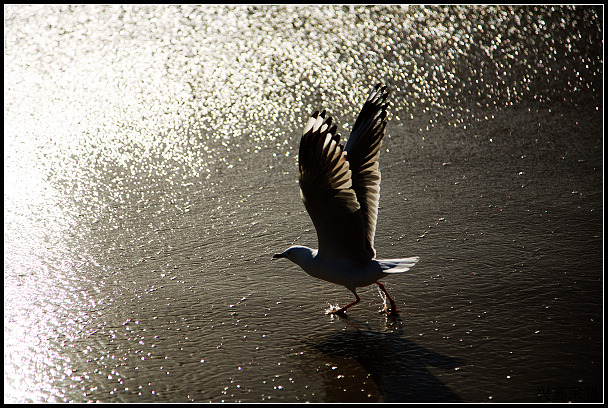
[(340, 186), (363, 148), (326, 189)]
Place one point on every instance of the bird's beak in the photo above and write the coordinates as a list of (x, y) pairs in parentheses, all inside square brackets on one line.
[(276, 256)]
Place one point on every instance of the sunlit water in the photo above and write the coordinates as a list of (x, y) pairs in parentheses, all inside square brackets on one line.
[(150, 173)]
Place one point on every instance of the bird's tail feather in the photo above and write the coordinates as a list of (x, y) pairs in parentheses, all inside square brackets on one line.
[(397, 265)]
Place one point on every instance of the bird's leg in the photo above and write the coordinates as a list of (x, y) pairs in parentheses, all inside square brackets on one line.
[(393, 309), (343, 310)]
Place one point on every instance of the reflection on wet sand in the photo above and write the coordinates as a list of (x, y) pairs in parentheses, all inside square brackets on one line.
[(397, 365)]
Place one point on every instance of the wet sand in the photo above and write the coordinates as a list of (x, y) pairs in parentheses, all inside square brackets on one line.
[(139, 229)]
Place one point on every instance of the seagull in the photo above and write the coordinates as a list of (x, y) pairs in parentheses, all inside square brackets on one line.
[(340, 188)]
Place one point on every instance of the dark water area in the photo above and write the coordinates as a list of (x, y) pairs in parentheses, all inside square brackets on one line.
[(150, 159)]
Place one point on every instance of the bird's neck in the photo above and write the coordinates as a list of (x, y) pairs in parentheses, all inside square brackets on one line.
[(307, 259)]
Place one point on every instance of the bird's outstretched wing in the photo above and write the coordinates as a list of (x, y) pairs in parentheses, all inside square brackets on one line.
[(363, 150), (326, 189), (340, 186)]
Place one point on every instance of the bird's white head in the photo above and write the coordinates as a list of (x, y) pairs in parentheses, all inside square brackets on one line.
[(300, 255)]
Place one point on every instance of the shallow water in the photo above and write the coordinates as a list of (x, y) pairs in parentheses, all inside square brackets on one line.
[(150, 173)]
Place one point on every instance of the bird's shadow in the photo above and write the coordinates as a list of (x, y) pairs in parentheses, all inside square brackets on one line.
[(397, 365)]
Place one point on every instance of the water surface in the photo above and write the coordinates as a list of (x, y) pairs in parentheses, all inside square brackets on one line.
[(150, 173)]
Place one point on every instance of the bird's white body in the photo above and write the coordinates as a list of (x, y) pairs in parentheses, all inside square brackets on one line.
[(340, 188), (349, 273)]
